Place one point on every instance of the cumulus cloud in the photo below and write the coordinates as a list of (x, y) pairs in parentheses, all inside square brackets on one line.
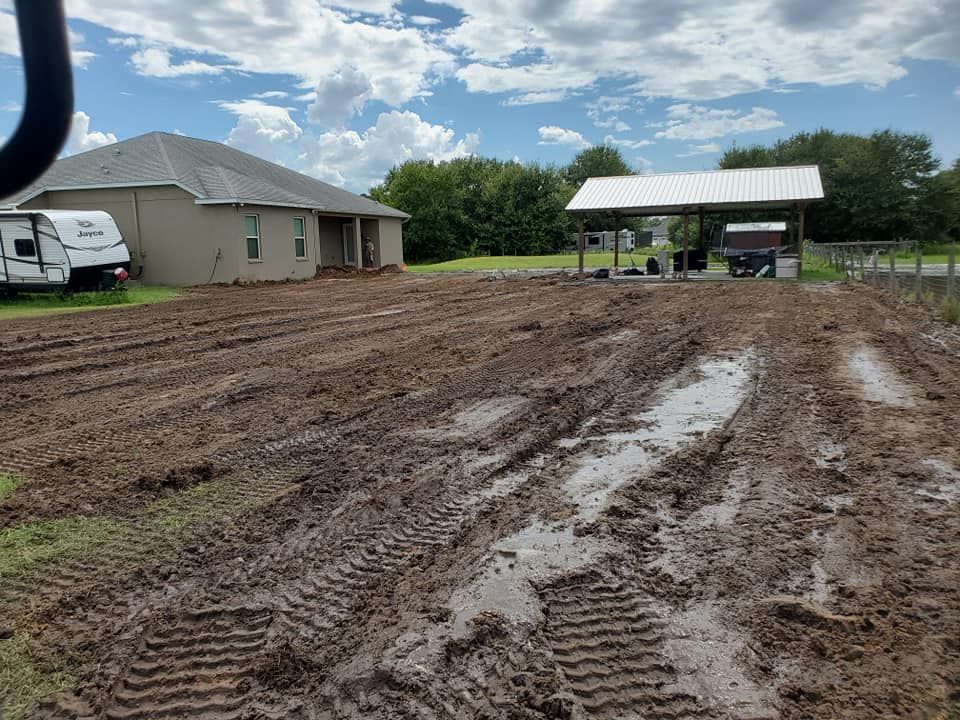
[(553, 135), (271, 95), (81, 138), (339, 96), (261, 127), (359, 160), (303, 38), (424, 20), (704, 149), (603, 112), (695, 122), (699, 51), (156, 62), (10, 42)]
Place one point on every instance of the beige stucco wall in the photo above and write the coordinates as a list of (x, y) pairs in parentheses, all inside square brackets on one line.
[(176, 241), (391, 241)]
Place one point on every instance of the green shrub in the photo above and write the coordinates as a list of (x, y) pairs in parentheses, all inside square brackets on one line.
[(951, 311)]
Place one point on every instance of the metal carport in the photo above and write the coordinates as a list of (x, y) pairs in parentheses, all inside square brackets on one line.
[(769, 188)]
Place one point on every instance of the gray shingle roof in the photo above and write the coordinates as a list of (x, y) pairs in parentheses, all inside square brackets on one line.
[(210, 170)]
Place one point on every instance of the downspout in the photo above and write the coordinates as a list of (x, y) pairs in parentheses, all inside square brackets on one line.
[(136, 226)]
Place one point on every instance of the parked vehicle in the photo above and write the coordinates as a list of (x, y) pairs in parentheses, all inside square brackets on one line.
[(60, 249)]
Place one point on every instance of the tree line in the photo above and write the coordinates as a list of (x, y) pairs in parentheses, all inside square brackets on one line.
[(882, 186)]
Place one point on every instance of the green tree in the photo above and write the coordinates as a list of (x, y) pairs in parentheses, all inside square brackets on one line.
[(596, 161), (878, 187)]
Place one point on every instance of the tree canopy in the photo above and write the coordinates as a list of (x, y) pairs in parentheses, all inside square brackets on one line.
[(878, 187), (474, 205)]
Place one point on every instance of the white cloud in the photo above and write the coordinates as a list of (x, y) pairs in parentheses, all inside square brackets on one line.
[(644, 166), (339, 97), (156, 62), (957, 91), (130, 42), (705, 149), (10, 41), (632, 144), (260, 127), (82, 139), (536, 98), (271, 95), (424, 20), (695, 122), (553, 135), (698, 51), (11, 106), (307, 39), (360, 160), (603, 112)]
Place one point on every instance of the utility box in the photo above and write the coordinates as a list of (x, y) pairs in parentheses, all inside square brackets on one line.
[(787, 266)]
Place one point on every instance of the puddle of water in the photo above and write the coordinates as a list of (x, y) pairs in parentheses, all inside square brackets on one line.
[(835, 502), (478, 417), (820, 592), (948, 490), (880, 382), (706, 657), (723, 512), (382, 313), (683, 414)]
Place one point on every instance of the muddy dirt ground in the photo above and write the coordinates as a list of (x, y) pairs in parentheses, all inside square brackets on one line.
[(412, 497)]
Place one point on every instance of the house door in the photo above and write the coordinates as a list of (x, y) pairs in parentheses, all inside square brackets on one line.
[(349, 245)]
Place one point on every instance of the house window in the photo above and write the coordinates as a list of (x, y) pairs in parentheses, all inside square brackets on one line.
[(24, 247), (252, 223), (299, 238), (593, 240)]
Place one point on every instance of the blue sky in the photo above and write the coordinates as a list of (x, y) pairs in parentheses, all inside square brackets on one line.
[(345, 90)]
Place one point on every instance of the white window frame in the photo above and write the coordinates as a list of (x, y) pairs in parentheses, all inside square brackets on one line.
[(246, 249), (306, 253)]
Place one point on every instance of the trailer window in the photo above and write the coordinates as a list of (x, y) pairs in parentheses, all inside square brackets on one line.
[(299, 238), (252, 223), (24, 247)]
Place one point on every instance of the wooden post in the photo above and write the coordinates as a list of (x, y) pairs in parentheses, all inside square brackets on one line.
[(686, 242), (918, 287), (951, 269), (616, 242), (893, 268), (700, 243), (863, 269), (580, 242), (876, 268), (803, 210)]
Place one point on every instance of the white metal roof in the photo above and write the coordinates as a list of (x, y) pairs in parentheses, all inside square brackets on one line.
[(756, 227), (671, 193)]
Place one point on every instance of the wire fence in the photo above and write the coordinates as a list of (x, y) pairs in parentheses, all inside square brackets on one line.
[(899, 267)]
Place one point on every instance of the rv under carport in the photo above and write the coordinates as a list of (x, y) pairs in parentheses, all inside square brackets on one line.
[(789, 189)]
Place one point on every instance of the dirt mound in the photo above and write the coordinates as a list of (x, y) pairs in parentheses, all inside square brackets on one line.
[(179, 478)]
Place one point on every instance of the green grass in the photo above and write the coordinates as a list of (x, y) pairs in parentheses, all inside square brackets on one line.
[(817, 270), (8, 483), (31, 304), (23, 546), (532, 262), (951, 314), (28, 672)]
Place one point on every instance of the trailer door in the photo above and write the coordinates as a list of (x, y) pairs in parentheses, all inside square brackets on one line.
[(22, 258)]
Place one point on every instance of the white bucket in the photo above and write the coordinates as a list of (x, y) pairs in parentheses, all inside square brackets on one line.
[(787, 266)]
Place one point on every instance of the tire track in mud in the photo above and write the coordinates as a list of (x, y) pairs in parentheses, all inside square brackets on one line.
[(607, 640)]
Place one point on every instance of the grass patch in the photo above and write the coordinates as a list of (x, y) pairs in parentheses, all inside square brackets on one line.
[(30, 304), (533, 262), (817, 270), (950, 312), (28, 673), (25, 545), (8, 483)]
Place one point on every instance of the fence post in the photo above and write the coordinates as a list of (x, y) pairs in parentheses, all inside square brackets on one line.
[(919, 282), (893, 268), (863, 269), (951, 269), (876, 268)]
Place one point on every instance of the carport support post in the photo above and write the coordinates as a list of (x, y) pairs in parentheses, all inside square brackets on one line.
[(616, 242), (580, 242), (358, 243), (801, 232), (686, 242)]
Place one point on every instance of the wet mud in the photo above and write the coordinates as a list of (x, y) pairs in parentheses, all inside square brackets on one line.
[(409, 497)]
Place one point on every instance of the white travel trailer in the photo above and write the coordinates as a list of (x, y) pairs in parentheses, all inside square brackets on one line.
[(50, 249)]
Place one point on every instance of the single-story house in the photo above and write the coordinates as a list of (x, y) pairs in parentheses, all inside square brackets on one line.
[(194, 211)]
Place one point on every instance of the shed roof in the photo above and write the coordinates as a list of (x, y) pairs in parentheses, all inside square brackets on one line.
[(767, 227), (213, 172), (672, 193)]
